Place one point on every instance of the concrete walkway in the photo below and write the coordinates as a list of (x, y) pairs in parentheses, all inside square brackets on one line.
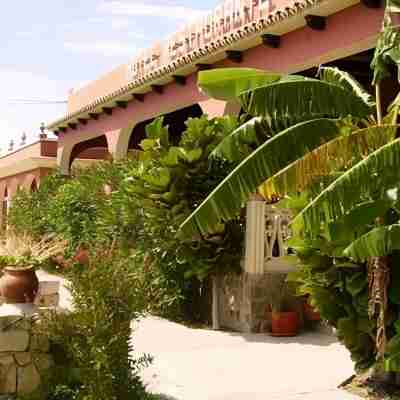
[(196, 364)]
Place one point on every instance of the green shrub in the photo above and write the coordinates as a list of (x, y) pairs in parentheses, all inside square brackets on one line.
[(92, 344), (150, 197)]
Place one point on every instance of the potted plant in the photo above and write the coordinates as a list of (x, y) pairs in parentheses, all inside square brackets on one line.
[(310, 312), (284, 321), (20, 255)]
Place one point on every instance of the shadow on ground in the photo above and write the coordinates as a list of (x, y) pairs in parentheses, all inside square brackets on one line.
[(164, 397), (305, 338)]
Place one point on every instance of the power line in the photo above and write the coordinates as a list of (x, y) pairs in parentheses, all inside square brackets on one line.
[(33, 101)]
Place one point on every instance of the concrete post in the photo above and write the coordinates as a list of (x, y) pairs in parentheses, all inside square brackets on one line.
[(255, 235), (215, 303)]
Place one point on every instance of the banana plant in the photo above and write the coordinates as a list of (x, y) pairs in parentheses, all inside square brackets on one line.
[(310, 126)]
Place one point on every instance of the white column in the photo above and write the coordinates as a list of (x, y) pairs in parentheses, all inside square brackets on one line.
[(255, 235)]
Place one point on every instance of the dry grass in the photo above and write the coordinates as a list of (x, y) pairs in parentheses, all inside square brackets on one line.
[(24, 246), (371, 390)]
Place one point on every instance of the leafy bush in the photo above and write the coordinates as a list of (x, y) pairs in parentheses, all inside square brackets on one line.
[(29, 211), (92, 344), (137, 205)]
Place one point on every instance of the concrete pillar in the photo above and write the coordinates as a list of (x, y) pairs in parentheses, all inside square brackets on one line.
[(118, 141), (255, 235), (218, 108), (215, 302)]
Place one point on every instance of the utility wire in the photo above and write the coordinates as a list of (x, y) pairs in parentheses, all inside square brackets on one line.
[(35, 101)]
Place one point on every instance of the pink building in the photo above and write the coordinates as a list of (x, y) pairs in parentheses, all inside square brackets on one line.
[(24, 166), (276, 35)]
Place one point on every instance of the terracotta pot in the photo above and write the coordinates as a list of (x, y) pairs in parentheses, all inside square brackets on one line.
[(310, 313), (19, 285), (82, 256), (285, 323)]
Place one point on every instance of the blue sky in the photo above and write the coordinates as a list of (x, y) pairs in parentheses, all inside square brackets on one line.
[(50, 46)]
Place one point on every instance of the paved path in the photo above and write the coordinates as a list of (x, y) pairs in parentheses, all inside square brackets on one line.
[(198, 364), (195, 364)]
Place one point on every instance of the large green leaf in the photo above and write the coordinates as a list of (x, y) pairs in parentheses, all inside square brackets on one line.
[(348, 82), (239, 143), (275, 154), (323, 161), (229, 83), (380, 241), (298, 97), (286, 113), (371, 176), (387, 50), (357, 220)]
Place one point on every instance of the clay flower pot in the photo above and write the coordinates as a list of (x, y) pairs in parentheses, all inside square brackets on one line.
[(82, 256), (285, 323), (19, 285)]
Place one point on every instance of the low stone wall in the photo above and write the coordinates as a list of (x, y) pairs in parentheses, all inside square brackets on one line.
[(24, 355), (48, 294), (244, 301)]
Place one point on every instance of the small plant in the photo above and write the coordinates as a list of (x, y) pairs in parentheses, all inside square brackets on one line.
[(279, 294)]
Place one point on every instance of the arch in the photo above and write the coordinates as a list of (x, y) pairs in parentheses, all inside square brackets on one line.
[(92, 149), (129, 138), (33, 186), (69, 148), (4, 208)]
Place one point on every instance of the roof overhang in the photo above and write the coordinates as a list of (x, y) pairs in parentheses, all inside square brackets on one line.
[(279, 22)]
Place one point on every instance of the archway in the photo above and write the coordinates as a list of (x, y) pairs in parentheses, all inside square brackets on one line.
[(34, 186), (92, 149), (175, 120), (4, 209)]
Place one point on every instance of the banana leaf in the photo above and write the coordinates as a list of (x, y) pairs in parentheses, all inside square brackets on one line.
[(346, 81), (379, 241), (227, 198), (297, 97), (377, 172), (332, 156), (229, 83)]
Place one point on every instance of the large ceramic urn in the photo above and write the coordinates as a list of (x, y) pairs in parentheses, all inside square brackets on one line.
[(19, 285)]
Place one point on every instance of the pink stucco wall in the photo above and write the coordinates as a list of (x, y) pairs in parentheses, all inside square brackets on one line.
[(348, 31), (23, 180)]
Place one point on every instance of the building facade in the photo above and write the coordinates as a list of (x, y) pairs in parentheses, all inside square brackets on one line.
[(276, 35)]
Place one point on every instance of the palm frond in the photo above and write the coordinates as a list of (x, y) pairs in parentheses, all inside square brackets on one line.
[(299, 97), (346, 81), (358, 220), (332, 156), (238, 145), (374, 174), (227, 198), (380, 241), (229, 83)]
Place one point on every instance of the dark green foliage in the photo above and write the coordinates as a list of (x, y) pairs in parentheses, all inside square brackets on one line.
[(338, 289)]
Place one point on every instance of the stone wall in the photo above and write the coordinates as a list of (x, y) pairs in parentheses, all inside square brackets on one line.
[(48, 295), (244, 301), (24, 354)]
